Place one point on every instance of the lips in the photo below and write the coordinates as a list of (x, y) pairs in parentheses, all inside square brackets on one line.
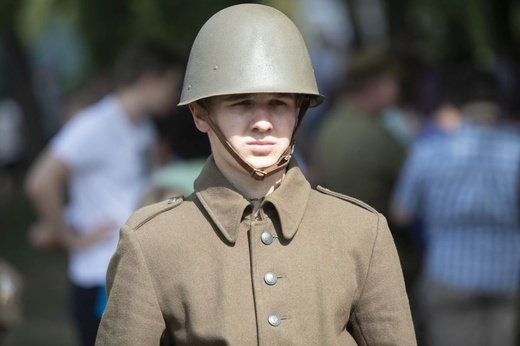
[(261, 147), (261, 142)]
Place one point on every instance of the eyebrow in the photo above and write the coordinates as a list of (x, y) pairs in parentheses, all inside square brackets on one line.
[(243, 96)]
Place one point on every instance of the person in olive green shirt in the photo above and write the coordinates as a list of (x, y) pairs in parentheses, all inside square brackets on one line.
[(355, 154)]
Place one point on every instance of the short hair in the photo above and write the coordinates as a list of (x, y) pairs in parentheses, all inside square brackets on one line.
[(145, 57), (367, 64), (472, 85)]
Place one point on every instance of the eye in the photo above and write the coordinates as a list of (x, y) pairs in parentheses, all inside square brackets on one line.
[(242, 103), (278, 102)]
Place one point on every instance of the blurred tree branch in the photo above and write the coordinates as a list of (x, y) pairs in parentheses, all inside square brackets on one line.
[(442, 29), (16, 76), (445, 27)]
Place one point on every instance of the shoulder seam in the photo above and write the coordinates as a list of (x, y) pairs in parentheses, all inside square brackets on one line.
[(347, 198), (170, 204)]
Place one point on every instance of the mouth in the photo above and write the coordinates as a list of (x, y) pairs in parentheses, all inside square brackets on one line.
[(261, 147)]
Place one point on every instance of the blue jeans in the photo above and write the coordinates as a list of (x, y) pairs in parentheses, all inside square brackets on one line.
[(86, 319)]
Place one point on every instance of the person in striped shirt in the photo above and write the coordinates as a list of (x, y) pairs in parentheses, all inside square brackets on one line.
[(464, 187)]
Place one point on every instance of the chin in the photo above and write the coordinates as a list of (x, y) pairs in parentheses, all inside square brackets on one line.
[(262, 162)]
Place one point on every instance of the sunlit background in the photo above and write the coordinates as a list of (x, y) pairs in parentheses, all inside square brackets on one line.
[(57, 56)]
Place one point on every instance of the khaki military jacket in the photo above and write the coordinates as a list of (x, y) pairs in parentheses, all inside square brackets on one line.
[(314, 268)]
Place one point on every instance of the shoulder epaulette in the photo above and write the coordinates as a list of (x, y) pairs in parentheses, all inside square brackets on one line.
[(347, 198), (145, 214)]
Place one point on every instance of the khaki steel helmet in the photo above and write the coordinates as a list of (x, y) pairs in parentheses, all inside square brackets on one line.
[(249, 48)]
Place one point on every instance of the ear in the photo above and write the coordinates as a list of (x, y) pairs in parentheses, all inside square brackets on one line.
[(198, 117)]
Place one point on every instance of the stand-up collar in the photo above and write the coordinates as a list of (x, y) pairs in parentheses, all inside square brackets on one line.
[(226, 206)]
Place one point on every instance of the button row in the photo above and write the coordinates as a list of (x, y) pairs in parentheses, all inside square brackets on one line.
[(271, 279)]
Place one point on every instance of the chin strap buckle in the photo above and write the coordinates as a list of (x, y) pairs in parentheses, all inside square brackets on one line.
[(258, 174)]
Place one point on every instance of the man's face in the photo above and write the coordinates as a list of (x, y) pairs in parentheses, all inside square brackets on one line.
[(258, 126), (386, 88), (163, 91)]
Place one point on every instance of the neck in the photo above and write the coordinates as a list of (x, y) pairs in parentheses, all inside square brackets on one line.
[(131, 104), (251, 189), (484, 112)]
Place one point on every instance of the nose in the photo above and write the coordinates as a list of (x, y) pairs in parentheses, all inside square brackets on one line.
[(261, 120)]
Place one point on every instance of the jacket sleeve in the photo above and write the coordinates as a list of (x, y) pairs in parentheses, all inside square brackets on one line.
[(133, 315), (382, 314)]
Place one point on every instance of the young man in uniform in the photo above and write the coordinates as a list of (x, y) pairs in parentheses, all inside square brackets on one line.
[(254, 255)]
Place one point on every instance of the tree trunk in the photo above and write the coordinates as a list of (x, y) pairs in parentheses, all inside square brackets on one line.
[(498, 12), (357, 42), (398, 30), (19, 88)]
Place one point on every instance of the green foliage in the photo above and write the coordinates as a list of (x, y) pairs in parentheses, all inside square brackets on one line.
[(173, 20), (445, 29), (515, 21), (110, 25), (452, 29), (8, 11)]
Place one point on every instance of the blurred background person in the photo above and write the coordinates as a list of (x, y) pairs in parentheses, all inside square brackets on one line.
[(95, 171), (50, 49), (184, 151), (356, 153), (463, 185)]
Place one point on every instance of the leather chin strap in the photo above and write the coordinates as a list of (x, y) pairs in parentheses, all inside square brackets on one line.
[(283, 161)]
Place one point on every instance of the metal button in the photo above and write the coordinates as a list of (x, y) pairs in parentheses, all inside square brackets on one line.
[(267, 238), (274, 320), (270, 278)]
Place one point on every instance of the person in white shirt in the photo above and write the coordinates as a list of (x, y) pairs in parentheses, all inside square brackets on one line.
[(95, 172)]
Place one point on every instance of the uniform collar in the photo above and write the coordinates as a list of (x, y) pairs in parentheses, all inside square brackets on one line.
[(226, 206)]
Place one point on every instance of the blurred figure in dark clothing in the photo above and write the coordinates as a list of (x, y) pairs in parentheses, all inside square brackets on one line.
[(184, 151), (355, 153)]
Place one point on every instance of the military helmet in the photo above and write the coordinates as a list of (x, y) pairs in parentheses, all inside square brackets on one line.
[(249, 48)]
